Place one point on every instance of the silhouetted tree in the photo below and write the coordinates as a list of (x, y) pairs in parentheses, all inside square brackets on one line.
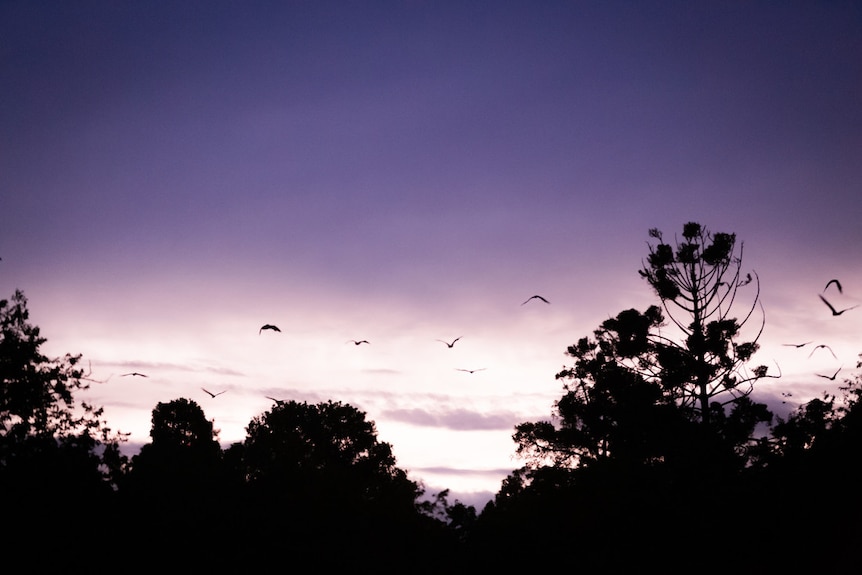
[(655, 420), (608, 410), (299, 447), (322, 483), (178, 484), (698, 281), (58, 458), (635, 390), (822, 433), (804, 482), (37, 394), (39, 419), (459, 517), (184, 457)]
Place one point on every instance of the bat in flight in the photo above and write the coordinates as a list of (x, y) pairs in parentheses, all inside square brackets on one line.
[(832, 377), (837, 284), (835, 311), (536, 297), (448, 344), (823, 345)]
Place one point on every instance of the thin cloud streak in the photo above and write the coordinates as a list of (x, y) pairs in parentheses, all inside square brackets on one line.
[(455, 419), (165, 366), (461, 471)]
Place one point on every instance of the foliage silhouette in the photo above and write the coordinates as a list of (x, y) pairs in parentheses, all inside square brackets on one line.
[(184, 458), (179, 483), (656, 423), (309, 479), (608, 410), (459, 517), (806, 477), (698, 283), (58, 458), (635, 394), (297, 445), (37, 397), (319, 473)]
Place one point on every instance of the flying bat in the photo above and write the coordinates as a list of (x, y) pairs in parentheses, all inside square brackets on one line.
[(470, 370), (816, 347), (796, 344), (837, 284), (834, 311), (450, 344), (828, 377), (211, 394), (536, 297), (357, 342), (268, 326), (134, 373)]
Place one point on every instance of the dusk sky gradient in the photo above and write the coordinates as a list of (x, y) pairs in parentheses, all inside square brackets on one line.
[(174, 175)]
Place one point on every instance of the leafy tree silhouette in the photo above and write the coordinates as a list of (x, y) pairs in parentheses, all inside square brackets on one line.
[(179, 483), (804, 480), (698, 281), (184, 457), (656, 420), (634, 390), (37, 394), (459, 517), (56, 456), (320, 482), (608, 410), (300, 446)]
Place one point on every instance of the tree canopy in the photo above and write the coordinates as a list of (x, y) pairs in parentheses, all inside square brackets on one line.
[(40, 421), (699, 282), (184, 457), (637, 388), (297, 445), (59, 461), (656, 417)]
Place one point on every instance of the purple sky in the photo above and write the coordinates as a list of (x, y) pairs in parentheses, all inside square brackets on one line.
[(175, 175)]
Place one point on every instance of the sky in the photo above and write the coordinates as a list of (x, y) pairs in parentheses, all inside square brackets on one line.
[(173, 176)]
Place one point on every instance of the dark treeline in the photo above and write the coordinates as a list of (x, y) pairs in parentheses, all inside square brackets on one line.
[(656, 456)]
